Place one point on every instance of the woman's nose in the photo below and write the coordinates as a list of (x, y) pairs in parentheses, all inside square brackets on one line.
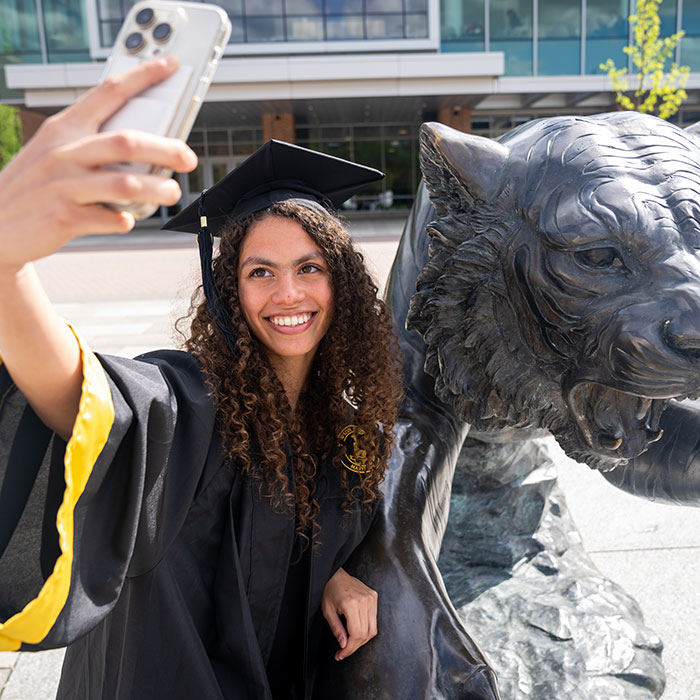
[(288, 291)]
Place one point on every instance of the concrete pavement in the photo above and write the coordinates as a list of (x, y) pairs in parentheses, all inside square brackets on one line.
[(123, 295)]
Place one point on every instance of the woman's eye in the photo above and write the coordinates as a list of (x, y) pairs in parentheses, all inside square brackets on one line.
[(259, 272), (599, 258), (308, 268)]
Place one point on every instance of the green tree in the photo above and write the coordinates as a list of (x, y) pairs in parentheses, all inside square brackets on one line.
[(650, 88), (10, 133)]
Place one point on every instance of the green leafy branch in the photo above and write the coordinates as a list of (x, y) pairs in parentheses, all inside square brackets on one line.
[(657, 91), (10, 133)]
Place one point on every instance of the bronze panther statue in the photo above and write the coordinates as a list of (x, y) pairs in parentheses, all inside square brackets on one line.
[(558, 289)]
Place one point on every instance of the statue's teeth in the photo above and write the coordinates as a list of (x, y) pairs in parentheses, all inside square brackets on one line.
[(609, 442), (643, 406), (654, 435)]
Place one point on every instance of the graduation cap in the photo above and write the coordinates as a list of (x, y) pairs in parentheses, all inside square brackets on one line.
[(276, 172)]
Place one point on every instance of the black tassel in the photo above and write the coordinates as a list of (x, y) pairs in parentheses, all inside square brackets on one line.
[(219, 312)]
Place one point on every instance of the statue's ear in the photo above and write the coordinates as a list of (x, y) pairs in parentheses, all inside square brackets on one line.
[(477, 165)]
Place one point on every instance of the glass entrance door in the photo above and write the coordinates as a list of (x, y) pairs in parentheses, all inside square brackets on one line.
[(209, 171)]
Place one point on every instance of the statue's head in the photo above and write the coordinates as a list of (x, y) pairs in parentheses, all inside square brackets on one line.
[(563, 287)]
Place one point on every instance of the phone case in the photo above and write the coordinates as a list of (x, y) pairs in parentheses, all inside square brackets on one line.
[(197, 34)]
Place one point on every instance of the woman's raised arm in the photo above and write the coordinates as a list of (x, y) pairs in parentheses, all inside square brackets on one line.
[(51, 193)]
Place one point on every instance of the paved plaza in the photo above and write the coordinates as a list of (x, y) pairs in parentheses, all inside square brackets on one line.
[(123, 296)]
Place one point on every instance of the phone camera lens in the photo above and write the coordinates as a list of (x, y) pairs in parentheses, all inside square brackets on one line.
[(162, 32), (145, 17), (134, 42)]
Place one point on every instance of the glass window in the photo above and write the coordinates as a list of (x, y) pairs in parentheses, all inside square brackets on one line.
[(264, 29), (196, 178), (217, 142), (400, 168), (19, 27), (691, 17), (66, 30), (690, 43), (690, 52), (384, 6), (606, 33), (416, 5), (369, 153), (606, 19), (511, 19), (416, 26), (367, 132), (463, 21), (343, 7), (668, 15), (385, 26), (304, 28), (350, 27), (263, 7), (511, 32), (518, 54), (233, 7), (237, 30), (113, 9), (559, 37), (303, 7)]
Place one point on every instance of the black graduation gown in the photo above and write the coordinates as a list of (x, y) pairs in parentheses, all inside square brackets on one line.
[(176, 564)]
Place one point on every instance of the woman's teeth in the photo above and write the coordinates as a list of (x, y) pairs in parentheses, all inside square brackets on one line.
[(290, 320)]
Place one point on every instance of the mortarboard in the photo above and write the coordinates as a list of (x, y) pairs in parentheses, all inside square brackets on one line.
[(276, 172)]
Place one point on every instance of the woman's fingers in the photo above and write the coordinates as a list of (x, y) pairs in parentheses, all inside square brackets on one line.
[(347, 596), (129, 146), (336, 625), (101, 102), (361, 619), (111, 187)]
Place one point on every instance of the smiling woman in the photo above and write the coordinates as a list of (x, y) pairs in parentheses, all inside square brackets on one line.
[(205, 502)]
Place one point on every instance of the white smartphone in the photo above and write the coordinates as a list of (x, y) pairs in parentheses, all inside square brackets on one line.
[(197, 34)]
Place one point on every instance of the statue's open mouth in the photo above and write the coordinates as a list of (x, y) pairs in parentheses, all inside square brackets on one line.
[(613, 423)]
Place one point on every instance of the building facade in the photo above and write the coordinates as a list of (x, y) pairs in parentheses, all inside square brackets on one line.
[(355, 78)]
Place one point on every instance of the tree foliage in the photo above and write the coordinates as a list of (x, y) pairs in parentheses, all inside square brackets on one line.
[(650, 88), (10, 133)]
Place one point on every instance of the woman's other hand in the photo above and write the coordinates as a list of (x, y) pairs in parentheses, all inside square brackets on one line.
[(347, 596), (52, 190)]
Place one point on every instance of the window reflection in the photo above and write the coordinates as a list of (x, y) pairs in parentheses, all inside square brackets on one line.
[(304, 7), (260, 29), (668, 14), (297, 20), (343, 7), (385, 27), (559, 37), (338, 28), (20, 28), (511, 32), (462, 25), (511, 18), (607, 33), (263, 7), (305, 29), (66, 30)]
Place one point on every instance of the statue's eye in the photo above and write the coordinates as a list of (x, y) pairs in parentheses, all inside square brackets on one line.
[(599, 258)]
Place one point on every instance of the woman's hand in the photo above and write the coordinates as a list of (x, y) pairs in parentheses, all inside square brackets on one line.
[(51, 191), (347, 596)]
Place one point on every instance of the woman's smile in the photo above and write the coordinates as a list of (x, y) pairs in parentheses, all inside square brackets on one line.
[(296, 323)]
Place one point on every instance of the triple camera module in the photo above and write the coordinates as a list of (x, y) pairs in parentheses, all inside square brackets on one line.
[(146, 19)]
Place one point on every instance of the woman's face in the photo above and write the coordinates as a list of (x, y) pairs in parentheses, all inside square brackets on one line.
[(284, 287)]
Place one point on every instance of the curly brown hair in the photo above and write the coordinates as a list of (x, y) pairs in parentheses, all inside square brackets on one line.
[(355, 376)]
